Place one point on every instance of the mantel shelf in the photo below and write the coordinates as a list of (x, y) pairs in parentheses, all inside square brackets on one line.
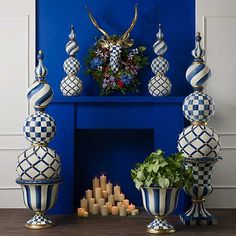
[(117, 99)]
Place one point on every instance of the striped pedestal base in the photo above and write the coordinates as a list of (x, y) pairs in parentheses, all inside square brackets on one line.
[(160, 226), (198, 215)]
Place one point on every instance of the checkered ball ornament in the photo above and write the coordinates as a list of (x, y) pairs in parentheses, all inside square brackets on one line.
[(198, 107), (199, 141), (39, 128), (159, 86), (71, 86), (71, 66), (38, 163), (159, 65)]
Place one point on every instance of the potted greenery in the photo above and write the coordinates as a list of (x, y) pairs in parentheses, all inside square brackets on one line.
[(159, 178)]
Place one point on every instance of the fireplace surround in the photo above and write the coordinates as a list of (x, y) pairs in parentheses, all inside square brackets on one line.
[(159, 119)]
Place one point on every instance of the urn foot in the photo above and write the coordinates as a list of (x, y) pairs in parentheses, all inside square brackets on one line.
[(198, 215), (160, 226), (39, 221)]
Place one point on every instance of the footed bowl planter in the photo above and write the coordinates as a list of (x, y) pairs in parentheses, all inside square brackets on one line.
[(160, 202), (39, 196)]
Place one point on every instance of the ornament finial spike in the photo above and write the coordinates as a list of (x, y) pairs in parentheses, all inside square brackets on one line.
[(40, 71), (198, 52)]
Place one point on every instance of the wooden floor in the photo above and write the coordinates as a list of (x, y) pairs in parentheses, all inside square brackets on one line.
[(12, 223)]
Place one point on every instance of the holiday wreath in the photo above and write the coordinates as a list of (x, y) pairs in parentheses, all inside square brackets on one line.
[(116, 68)]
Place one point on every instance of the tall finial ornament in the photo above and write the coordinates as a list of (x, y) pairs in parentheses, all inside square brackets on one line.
[(199, 143), (159, 85), (39, 167), (71, 85)]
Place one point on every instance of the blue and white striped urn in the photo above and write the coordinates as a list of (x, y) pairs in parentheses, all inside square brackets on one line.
[(160, 203), (39, 196)]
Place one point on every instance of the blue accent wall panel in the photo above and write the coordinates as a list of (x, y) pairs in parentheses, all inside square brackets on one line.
[(177, 17)]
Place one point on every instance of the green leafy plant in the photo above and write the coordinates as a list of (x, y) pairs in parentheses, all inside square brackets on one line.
[(160, 171)]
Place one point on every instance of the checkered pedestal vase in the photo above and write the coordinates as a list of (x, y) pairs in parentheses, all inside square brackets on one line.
[(39, 196), (160, 202), (202, 187)]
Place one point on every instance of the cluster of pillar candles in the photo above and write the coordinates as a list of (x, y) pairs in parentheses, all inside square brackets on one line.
[(104, 199)]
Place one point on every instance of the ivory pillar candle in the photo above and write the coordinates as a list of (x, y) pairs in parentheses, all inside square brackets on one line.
[(122, 210), (95, 209), (135, 212), (121, 197), (115, 211), (126, 202), (89, 194), (80, 212), (117, 192), (91, 202), (109, 188), (98, 194), (86, 214), (109, 206), (119, 204), (84, 203), (101, 201), (95, 184), (104, 194), (103, 182), (128, 211), (111, 199), (104, 210), (131, 207)]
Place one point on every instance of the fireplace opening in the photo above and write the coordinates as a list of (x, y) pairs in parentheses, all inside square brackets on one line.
[(112, 152)]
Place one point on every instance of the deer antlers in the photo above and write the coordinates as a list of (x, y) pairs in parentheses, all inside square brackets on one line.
[(125, 36)]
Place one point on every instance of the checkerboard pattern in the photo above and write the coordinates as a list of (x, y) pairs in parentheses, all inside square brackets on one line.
[(199, 141), (159, 65), (115, 51), (39, 220), (159, 86), (71, 86), (39, 128), (198, 107), (71, 66), (159, 224), (38, 163)]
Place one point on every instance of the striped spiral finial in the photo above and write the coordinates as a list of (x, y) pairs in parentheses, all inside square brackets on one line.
[(40, 71), (160, 46), (198, 53), (40, 93), (72, 46)]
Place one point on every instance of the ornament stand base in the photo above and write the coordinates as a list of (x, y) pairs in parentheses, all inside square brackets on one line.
[(160, 226), (198, 215), (39, 221)]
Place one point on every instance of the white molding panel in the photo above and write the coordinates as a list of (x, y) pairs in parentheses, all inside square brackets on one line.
[(216, 20), (17, 61)]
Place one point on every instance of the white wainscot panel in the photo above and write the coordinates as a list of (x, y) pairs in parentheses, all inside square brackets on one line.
[(14, 72), (11, 198), (8, 159), (220, 38)]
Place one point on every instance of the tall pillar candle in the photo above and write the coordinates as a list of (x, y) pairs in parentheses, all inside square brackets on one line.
[(95, 184), (101, 201), (89, 194), (104, 194), (117, 192), (111, 199), (109, 188), (122, 210), (98, 194), (104, 210), (121, 197), (91, 202), (115, 211), (103, 182), (126, 202), (84, 204), (95, 209)]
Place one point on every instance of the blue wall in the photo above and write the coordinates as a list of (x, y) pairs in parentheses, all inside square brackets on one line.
[(177, 18)]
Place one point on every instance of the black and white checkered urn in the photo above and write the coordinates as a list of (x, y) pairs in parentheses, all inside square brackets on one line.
[(159, 85), (71, 85), (199, 143), (39, 167)]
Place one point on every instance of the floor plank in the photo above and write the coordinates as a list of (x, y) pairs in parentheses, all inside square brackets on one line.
[(12, 223)]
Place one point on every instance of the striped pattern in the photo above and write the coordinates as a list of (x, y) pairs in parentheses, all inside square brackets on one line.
[(158, 201), (159, 47), (40, 94), (40, 71), (198, 74), (40, 198), (72, 47)]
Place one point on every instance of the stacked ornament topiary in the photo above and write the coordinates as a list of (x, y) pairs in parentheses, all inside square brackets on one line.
[(39, 167), (159, 85), (199, 143), (71, 85)]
